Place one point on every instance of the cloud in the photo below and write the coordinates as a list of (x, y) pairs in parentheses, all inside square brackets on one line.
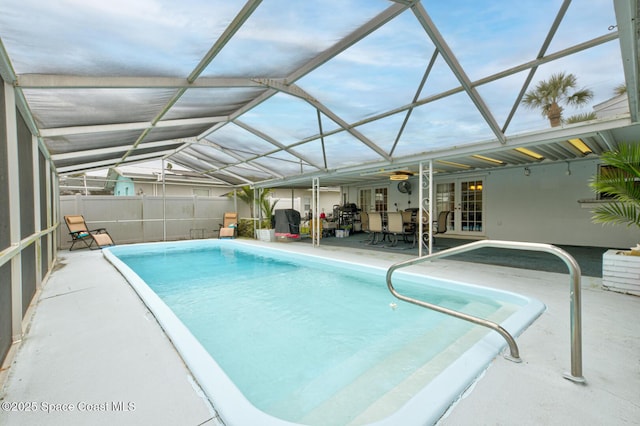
[(379, 73)]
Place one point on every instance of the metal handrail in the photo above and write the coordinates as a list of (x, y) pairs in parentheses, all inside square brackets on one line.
[(575, 299)]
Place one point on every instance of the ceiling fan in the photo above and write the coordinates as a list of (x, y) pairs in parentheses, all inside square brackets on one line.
[(400, 175), (404, 186)]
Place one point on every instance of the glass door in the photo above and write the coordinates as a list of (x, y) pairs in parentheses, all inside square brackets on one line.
[(381, 200), (446, 201), (464, 198), (373, 199), (365, 202), (471, 206)]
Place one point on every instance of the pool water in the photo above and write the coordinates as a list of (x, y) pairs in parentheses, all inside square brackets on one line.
[(311, 341)]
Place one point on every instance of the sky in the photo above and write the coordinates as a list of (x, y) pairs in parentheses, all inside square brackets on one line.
[(378, 74)]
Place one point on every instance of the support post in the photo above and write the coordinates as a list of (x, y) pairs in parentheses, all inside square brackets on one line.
[(13, 172)]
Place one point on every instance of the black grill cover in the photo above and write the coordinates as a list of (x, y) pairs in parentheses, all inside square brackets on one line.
[(287, 221)]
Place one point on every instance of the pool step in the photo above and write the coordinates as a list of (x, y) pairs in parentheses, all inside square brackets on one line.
[(362, 391), (391, 401), (328, 382), (384, 388), (363, 378)]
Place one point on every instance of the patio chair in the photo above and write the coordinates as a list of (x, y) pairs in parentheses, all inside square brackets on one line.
[(229, 226), (407, 218), (396, 227), (364, 220), (439, 227), (375, 227), (80, 234), (312, 228)]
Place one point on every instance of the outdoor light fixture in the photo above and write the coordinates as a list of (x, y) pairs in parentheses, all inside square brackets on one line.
[(527, 171), (489, 159), (530, 153), (400, 176), (580, 146), (451, 163), (384, 170)]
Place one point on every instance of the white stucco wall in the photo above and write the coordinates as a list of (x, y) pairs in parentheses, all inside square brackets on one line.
[(300, 196), (542, 207)]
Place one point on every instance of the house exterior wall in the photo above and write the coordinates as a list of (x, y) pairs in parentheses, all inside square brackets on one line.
[(547, 206), (302, 199), (177, 189), (616, 106), (124, 187)]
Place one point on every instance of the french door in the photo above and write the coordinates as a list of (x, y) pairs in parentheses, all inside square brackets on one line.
[(373, 199), (464, 199)]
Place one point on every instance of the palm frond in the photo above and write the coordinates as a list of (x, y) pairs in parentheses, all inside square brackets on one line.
[(247, 194), (617, 182), (617, 213), (533, 100), (626, 158), (622, 183), (268, 207), (620, 89), (580, 97), (577, 118)]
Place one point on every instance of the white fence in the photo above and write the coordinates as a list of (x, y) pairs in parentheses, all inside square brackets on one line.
[(146, 218)]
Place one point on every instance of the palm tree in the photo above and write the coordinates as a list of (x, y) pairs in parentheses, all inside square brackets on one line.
[(620, 89), (247, 194), (622, 183), (549, 94), (267, 209)]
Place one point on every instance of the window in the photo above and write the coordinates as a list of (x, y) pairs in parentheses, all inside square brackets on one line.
[(605, 172), (381, 199)]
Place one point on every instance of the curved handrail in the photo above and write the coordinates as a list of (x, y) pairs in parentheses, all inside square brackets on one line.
[(575, 295), (513, 347)]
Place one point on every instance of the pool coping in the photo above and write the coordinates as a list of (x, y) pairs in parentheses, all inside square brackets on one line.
[(232, 405)]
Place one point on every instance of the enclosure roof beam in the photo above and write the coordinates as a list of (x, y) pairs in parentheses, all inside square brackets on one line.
[(456, 68), (100, 128), (627, 16), (111, 150), (57, 81)]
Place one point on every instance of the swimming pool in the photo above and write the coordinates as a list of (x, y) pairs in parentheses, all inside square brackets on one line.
[(274, 337)]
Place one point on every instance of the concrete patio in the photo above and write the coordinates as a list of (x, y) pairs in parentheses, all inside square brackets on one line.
[(93, 347)]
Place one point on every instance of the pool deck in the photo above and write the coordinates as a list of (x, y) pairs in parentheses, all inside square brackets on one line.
[(92, 344)]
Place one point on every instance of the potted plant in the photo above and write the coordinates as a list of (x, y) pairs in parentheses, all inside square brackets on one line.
[(621, 184), (265, 229), (267, 232)]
